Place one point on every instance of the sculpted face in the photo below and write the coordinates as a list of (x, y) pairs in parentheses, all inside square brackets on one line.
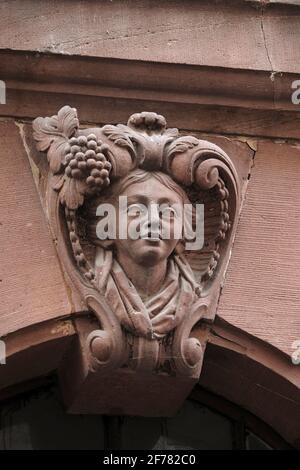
[(144, 199)]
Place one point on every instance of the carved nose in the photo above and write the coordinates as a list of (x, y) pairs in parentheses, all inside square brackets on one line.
[(154, 220), (152, 223)]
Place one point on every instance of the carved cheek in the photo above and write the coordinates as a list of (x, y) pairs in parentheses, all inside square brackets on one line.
[(171, 228)]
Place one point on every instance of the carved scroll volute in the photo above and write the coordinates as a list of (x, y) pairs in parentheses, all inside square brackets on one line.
[(200, 164), (135, 337)]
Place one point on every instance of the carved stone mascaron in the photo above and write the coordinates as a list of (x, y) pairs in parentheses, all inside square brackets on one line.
[(141, 352)]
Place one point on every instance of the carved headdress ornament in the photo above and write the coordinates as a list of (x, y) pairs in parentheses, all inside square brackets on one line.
[(84, 164)]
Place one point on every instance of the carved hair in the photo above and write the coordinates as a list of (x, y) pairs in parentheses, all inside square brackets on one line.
[(139, 176)]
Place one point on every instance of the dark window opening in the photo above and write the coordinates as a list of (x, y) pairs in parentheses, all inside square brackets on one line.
[(37, 420)]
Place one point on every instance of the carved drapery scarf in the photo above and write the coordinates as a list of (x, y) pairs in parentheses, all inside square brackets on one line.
[(161, 312)]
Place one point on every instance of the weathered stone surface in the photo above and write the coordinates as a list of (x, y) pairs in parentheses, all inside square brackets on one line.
[(32, 287), (261, 293), (34, 352), (190, 32)]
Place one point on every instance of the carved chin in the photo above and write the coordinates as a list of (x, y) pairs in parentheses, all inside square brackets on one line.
[(151, 252)]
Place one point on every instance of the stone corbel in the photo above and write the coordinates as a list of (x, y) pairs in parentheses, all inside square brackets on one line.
[(131, 357)]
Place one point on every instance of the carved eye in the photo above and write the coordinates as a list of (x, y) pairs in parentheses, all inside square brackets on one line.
[(168, 212), (136, 210)]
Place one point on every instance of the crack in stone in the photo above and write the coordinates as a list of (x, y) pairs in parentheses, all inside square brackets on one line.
[(265, 40), (273, 72)]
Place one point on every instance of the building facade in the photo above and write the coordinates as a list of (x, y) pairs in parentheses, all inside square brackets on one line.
[(224, 73)]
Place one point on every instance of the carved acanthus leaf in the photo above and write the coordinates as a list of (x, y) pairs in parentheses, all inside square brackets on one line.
[(121, 135), (145, 137), (182, 144)]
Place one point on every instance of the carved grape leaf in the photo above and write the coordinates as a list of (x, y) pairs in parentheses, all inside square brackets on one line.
[(72, 193), (57, 182), (52, 134)]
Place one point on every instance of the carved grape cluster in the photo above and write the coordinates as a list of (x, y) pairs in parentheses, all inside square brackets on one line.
[(87, 159)]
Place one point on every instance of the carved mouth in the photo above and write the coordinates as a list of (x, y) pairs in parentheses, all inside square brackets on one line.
[(152, 240), (151, 237)]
